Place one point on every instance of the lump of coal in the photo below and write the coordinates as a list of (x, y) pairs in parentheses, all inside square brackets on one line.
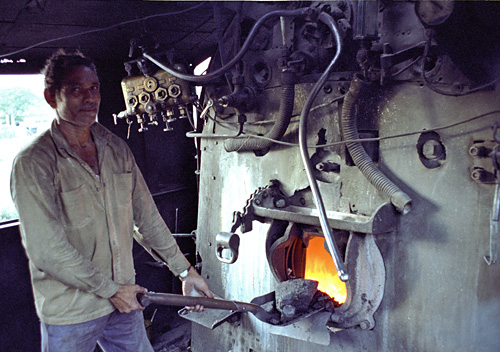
[(289, 312), (297, 293), (322, 301), (268, 307)]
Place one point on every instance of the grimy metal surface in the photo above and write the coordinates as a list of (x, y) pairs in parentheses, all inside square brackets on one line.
[(439, 295), (433, 281)]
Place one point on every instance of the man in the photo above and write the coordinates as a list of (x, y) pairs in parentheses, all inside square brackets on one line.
[(80, 194)]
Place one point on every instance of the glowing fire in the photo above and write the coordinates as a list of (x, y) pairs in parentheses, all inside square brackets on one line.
[(320, 267)]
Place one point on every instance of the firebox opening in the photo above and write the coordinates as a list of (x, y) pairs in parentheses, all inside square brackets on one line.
[(319, 266), (301, 253)]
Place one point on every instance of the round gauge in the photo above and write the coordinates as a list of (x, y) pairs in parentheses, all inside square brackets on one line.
[(434, 12)]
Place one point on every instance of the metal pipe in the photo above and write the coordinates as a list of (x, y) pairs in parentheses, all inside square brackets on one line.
[(220, 71), (332, 246), (280, 125), (184, 235)]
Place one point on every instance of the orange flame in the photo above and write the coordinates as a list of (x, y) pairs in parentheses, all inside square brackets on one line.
[(320, 267)]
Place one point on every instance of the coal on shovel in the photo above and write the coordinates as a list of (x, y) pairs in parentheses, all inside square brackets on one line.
[(272, 308)]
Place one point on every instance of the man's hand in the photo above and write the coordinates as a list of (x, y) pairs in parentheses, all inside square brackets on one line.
[(194, 285), (125, 299)]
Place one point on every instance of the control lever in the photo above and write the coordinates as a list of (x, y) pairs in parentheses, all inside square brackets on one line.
[(495, 212), (495, 217)]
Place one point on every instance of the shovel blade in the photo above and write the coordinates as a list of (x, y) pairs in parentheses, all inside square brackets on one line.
[(269, 314)]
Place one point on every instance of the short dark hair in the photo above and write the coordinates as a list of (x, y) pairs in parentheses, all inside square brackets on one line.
[(60, 63)]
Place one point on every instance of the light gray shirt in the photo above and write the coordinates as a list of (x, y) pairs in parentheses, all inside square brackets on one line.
[(77, 228)]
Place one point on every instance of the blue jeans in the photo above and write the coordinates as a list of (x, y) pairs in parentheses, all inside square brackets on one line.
[(115, 332)]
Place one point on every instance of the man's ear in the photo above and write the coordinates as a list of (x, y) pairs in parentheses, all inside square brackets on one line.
[(50, 98)]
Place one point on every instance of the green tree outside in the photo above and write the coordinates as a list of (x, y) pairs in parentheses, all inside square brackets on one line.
[(15, 103), (23, 115)]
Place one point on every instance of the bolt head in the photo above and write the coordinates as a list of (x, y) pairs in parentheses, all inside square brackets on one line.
[(280, 203), (478, 174), (365, 324), (474, 150)]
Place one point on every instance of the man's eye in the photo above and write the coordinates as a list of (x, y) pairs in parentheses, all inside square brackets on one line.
[(75, 90)]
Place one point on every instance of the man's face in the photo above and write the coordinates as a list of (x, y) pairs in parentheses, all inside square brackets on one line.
[(77, 102)]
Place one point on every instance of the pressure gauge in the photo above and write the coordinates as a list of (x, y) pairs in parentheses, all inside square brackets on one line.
[(434, 12)]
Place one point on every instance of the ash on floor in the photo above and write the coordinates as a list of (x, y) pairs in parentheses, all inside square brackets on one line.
[(175, 340), (167, 331)]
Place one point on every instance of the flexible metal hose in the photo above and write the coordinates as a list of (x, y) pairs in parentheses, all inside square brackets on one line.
[(280, 125), (398, 198)]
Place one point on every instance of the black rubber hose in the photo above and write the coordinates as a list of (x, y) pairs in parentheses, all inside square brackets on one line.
[(398, 198), (280, 125)]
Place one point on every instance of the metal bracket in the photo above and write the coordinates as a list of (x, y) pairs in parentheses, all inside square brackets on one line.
[(388, 59), (486, 159), (365, 289), (270, 203)]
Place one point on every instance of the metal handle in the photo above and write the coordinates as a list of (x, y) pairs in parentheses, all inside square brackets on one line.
[(230, 242), (170, 299), (494, 219)]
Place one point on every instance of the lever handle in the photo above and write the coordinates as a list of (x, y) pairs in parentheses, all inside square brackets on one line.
[(230, 242), (170, 299)]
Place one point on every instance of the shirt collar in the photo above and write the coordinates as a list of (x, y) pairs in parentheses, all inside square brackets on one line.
[(99, 133)]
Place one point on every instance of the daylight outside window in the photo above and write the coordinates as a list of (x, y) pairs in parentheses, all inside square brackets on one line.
[(24, 114)]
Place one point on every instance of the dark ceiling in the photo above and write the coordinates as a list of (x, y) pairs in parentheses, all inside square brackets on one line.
[(188, 27)]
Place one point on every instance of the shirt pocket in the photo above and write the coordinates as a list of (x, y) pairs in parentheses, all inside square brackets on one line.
[(77, 207), (122, 187)]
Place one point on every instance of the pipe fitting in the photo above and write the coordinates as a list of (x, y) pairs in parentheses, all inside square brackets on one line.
[(280, 126)]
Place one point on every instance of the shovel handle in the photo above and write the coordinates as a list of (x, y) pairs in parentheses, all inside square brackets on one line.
[(170, 299)]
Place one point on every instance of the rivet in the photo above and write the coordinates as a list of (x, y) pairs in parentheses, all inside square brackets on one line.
[(365, 324)]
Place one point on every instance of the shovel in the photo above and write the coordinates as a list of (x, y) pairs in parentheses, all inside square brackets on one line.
[(170, 299), (295, 294)]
